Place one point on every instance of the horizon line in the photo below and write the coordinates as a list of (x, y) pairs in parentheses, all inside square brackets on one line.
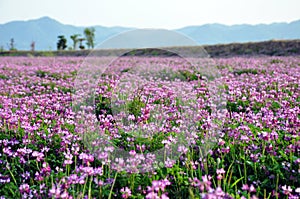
[(116, 26)]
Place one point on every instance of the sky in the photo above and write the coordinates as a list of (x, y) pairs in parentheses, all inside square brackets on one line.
[(167, 14)]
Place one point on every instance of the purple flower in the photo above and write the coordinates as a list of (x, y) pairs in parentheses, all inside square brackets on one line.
[(39, 156), (245, 187), (4, 179), (182, 149), (169, 163), (126, 192), (24, 188), (152, 195)]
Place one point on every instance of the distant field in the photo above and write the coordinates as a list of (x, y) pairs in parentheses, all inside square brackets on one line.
[(269, 48)]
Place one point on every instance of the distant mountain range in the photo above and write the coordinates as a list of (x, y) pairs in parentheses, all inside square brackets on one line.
[(44, 32)]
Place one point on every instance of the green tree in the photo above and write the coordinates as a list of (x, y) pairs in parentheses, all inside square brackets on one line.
[(75, 40), (32, 46), (62, 42), (12, 45), (89, 34), (80, 43)]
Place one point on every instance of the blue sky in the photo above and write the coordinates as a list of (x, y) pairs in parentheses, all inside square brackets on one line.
[(168, 14)]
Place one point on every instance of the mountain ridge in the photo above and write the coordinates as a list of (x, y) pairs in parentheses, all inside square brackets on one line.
[(44, 31)]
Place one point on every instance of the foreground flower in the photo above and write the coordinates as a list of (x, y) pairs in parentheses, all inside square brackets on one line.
[(287, 190), (126, 192)]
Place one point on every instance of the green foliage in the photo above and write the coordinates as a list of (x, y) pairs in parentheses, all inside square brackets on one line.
[(41, 73), (75, 40), (245, 71), (190, 76), (125, 70), (276, 61), (89, 34), (238, 106), (152, 143), (256, 107), (135, 106), (182, 75), (3, 77), (275, 106), (46, 74), (47, 53), (62, 42), (103, 106)]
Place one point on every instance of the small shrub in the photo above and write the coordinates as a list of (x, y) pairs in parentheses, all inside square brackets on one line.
[(41, 73), (238, 106), (56, 76), (135, 106), (125, 70), (103, 106), (189, 76), (276, 61), (47, 54), (245, 71), (3, 77)]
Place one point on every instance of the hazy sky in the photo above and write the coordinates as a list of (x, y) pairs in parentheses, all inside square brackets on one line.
[(152, 13)]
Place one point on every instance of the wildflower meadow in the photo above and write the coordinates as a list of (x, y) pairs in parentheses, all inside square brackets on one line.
[(167, 131)]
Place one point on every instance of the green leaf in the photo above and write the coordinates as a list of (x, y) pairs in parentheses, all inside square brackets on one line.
[(236, 182)]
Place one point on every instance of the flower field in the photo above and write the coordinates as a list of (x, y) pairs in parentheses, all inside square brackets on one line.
[(168, 131)]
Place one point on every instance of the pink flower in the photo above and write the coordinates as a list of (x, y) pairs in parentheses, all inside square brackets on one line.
[(245, 187), (152, 195), (220, 171), (39, 156), (219, 192), (169, 163), (221, 142), (195, 182), (131, 117), (287, 190), (126, 192), (132, 153), (252, 189), (55, 191), (219, 177), (182, 149)]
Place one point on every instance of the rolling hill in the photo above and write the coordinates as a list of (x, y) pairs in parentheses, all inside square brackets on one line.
[(44, 32)]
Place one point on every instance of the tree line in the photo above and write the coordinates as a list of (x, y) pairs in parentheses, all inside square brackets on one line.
[(89, 37)]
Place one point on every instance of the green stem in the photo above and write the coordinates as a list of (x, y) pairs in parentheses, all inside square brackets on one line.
[(84, 187), (37, 165), (68, 169), (245, 173), (110, 193), (90, 188), (100, 192), (132, 182), (12, 175), (277, 181)]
